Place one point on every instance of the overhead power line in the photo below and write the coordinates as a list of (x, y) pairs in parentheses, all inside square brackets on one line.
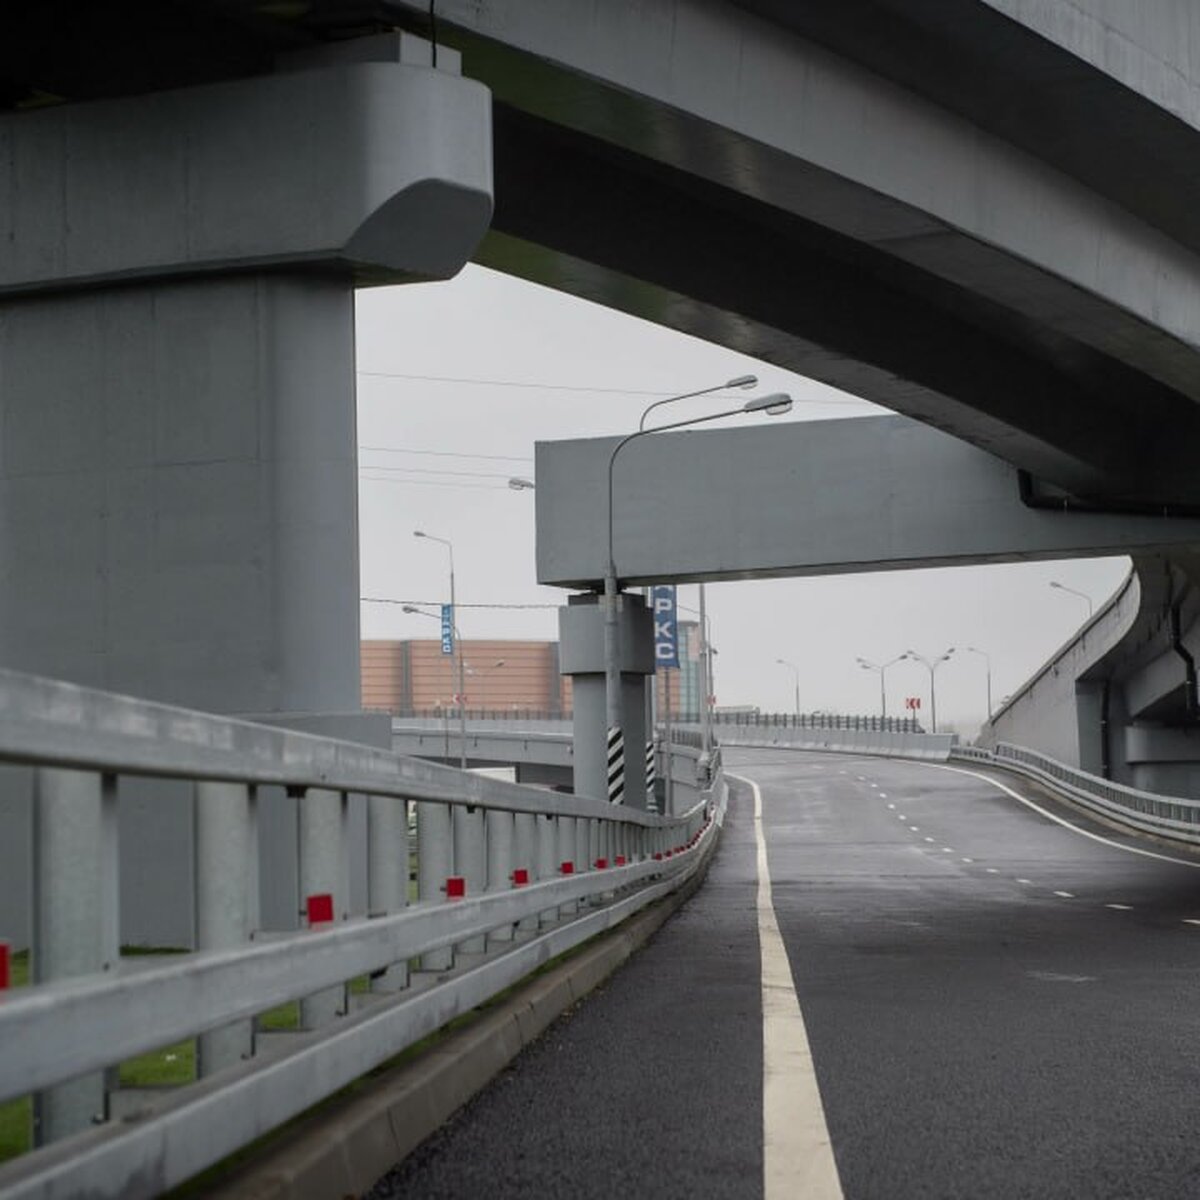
[(439, 603), (446, 453), (529, 385)]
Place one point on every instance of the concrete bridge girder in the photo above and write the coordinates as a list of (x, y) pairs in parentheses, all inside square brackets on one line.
[(817, 497), (966, 278)]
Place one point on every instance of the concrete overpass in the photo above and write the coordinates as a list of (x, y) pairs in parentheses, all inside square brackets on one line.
[(981, 217), (976, 217)]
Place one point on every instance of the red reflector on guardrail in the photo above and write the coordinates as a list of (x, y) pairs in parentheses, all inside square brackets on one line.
[(601, 864), (5, 975), (658, 856), (456, 887), (520, 876), (568, 868), (620, 860), (319, 908)]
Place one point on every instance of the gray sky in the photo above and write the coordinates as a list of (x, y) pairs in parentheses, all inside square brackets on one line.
[(458, 380)]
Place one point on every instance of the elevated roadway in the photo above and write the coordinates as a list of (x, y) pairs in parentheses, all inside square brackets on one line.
[(996, 992)]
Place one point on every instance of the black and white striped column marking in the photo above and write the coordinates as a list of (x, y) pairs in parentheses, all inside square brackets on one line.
[(651, 775), (616, 765)]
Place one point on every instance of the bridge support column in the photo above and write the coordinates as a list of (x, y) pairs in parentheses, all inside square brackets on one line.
[(581, 655), (178, 482)]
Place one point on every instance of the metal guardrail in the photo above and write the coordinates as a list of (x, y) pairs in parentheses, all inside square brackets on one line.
[(1166, 816), (507, 877)]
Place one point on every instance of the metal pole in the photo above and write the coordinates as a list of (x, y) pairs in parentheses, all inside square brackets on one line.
[(705, 728), (882, 696), (462, 687), (669, 786), (932, 701)]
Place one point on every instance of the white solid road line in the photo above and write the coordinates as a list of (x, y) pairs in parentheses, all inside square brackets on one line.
[(1087, 833), (797, 1154)]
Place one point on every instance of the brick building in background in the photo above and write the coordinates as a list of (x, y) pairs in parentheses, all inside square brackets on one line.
[(414, 676)]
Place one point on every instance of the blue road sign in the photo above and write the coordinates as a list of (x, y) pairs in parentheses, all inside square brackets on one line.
[(447, 629), (666, 625)]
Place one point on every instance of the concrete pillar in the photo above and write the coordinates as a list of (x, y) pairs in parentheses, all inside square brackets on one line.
[(581, 655), (178, 513), (178, 483)]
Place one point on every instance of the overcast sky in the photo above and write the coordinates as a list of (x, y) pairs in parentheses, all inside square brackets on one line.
[(458, 380)]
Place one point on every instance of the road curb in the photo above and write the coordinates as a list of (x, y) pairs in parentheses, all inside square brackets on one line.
[(342, 1150)]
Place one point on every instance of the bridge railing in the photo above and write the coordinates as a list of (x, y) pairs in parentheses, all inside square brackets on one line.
[(1166, 816), (506, 878)]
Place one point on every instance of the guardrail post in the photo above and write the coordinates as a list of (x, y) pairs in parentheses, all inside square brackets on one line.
[(225, 849), (324, 869), (547, 864), (566, 854), (387, 875), (76, 917), (525, 855), (500, 832), (585, 855), (470, 861), (435, 864)]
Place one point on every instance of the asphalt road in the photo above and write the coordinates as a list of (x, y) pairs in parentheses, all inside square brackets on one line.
[(997, 1006)]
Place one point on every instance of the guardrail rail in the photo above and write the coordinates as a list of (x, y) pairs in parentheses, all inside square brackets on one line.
[(1165, 816), (507, 877)]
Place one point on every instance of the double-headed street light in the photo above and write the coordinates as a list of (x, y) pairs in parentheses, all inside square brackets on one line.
[(931, 665), (462, 685), (775, 404), (742, 381), (881, 668), (1062, 587), (783, 662)]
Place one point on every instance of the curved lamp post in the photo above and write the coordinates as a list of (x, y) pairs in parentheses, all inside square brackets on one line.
[(1062, 587), (741, 381), (931, 665), (881, 668), (775, 404), (462, 684)]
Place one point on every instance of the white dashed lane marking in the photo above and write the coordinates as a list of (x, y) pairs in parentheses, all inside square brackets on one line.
[(1121, 907), (1066, 895)]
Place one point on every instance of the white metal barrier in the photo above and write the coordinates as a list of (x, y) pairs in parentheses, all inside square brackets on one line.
[(507, 878), (1166, 816)]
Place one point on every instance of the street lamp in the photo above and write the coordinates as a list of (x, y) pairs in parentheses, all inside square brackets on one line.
[(931, 665), (882, 669), (775, 404), (1062, 587), (484, 673), (783, 662), (987, 658), (706, 671), (462, 685), (742, 381)]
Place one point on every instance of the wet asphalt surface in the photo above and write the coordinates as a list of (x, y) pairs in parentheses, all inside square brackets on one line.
[(997, 1007)]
